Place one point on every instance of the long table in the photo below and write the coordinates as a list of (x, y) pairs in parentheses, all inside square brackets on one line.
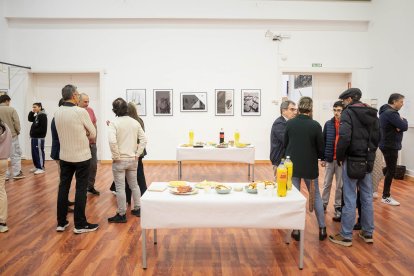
[(211, 210), (230, 154)]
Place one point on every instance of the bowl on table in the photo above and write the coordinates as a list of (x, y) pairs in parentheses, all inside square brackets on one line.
[(223, 189)]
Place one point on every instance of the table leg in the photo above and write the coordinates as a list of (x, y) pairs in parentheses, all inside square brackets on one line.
[(155, 236), (301, 245), (287, 235), (248, 171), (179, 170), (144, 248), (252, 172)]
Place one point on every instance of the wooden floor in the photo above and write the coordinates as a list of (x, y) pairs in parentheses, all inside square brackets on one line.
[(33, 247)]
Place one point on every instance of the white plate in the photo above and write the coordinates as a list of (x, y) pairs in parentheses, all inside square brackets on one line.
[(175, 192)]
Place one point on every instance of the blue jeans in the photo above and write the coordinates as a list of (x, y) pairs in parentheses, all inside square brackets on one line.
[(320, 216), (350, 196)]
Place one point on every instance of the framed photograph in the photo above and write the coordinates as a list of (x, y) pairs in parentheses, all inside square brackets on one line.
[(224, 102), (251, 105), (163, 102), (193, 101), (138, 97)]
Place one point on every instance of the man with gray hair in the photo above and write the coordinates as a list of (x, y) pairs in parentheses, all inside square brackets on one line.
[(74, 128), (277, 150), (84, 103)]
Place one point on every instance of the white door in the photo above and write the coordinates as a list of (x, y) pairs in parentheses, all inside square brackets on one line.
[(47, 89)]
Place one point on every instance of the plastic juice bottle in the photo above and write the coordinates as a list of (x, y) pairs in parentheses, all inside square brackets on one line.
[(221, 136), (289, 166), (191, 137), (236, 137), (282, 174)]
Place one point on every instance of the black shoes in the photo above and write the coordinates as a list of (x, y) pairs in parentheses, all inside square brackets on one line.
[(357, 226), (93, 191), (136, 212), (88, 227), (322, 233), (295, 235), (118, 219)]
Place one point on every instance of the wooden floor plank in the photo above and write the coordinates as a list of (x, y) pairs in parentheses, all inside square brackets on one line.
[(33, 247)]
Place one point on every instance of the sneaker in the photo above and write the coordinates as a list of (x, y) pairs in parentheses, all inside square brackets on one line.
[(7, 178), (136, 212), (3, 228), (117, 219), (88, 227), (62, 227), (390, 201), (113, 192), (375, 195), (19, 176), (33, 170), (295, 235), (39, 171), (338, 239), (93, 191), (366, 237)]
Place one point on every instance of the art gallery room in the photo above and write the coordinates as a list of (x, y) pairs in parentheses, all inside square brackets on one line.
[(208, 80)]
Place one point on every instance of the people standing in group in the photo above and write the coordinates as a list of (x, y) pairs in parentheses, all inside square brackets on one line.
[(123, 135), (331, 136), (10, 117), (74, 128), (38, 132), (304, 144), (288, 111), (84, 103), (5, 148), (392, 126), (358, 141)]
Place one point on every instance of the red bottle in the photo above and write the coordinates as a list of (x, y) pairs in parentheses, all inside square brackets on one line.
[(221, 136)]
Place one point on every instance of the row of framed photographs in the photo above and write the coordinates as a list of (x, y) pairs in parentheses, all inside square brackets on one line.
[(197, 101)]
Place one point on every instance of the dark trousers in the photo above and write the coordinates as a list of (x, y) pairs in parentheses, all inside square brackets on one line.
[(38, 152), (81, 171), (391, 157), (141, 182)]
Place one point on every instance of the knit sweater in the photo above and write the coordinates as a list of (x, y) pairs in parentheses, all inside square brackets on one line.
[(73, 126), (123, 135), (9, 116)]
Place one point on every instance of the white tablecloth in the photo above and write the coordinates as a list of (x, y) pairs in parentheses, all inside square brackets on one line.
[(211, 210), (230, 154)]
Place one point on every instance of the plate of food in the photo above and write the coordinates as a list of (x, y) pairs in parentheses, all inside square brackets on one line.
[(222, 145), (223, 189), (177, 183), (242, 145), (198, 145), (205, 183), (183, 190), (251, 188)]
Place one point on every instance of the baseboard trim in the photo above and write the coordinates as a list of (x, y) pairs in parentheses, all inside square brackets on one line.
[(187, 162)]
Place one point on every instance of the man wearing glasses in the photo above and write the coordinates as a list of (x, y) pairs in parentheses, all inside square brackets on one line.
[(331, 136), (288, 111)]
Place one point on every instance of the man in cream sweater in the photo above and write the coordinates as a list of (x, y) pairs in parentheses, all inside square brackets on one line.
[(123, 135), (74, 128)]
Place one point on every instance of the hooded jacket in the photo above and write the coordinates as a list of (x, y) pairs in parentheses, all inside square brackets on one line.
[(392, 128), (39, 124), (357, 121)]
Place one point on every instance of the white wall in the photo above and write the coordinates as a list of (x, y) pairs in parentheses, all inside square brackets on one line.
[(391, 52), (165, 48)]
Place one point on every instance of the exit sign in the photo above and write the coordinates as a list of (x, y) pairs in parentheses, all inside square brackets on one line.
[(316, 64)]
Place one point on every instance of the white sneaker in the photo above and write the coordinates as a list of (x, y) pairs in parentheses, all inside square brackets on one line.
[(3, 228), (33, 170), (390, 201), (61, 228), (375, 195), (39, 171)]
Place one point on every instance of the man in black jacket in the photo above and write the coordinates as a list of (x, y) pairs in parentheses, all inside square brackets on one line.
[(277, 149), (392, 128), (358, 139)]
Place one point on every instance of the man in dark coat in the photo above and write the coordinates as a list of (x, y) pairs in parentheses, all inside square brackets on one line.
[(277, 149), (392, 128), (358, 139), (304, 145)]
